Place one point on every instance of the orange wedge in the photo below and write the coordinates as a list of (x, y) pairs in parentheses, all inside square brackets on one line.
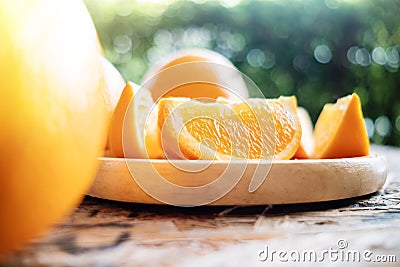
[(133, 129), (255, 129), (340, 130), (307, 140), (114, 83)]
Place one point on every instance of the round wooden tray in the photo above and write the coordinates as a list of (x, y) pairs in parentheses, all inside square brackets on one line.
[(194, 183)]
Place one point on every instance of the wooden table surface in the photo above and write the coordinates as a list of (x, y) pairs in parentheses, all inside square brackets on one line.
[(107, 233)]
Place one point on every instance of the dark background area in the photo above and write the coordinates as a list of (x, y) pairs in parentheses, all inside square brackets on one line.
[(316, 50)]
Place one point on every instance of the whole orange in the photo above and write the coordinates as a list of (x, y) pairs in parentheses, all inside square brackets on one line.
[(52, 113), (195, 73)]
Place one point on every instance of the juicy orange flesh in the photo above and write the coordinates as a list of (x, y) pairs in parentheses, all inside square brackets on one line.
[(207, 128), (285, 130), (254, 134), (238, 135), (247, 134), (258, 141), (254, 129), (228, 136)]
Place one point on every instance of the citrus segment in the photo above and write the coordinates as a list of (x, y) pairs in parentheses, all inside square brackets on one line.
[(113, 86), (133, 129), (287, 126), (340, 130), (117, 120), (307, 140), (255, 129)]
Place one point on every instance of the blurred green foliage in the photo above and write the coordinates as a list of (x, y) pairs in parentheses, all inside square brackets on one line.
[(317, 50)]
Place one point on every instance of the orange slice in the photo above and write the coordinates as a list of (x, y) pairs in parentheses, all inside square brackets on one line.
[(113, 86), (133, 129), (255, 129), (340, 130), (307, 140)]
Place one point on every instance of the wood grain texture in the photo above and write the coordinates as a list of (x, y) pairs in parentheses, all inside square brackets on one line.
[(109, 233), (283, 182)]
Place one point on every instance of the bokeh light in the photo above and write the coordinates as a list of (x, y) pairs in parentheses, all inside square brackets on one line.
[(256, 57), (363, 57), (229, 3), (322, 54), (397, 124), (393, 59), (383, 126), (379, 56), (351, 54), (122, 43), (369, 125)]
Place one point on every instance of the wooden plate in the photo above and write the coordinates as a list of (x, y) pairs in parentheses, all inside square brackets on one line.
[(193, 183)]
